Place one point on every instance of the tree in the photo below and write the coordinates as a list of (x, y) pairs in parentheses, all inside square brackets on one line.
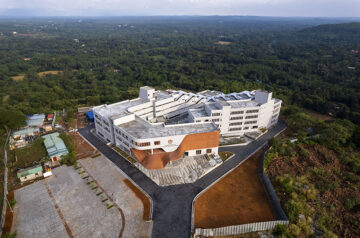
[(12, 119)]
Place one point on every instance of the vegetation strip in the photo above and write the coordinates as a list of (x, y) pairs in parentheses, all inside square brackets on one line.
[(58, 210), (108, 198)]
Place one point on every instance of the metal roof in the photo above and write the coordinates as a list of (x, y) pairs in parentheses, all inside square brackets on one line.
[(27, 171), (54, 145), (35, 120)]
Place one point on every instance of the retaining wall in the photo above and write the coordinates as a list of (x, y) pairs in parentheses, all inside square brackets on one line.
[(238, 229), (3, 211)]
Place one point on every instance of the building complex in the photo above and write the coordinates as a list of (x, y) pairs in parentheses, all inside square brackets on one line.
[(160, 126)]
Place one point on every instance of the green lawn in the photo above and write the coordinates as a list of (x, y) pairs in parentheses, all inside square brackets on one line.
[(28, 155)]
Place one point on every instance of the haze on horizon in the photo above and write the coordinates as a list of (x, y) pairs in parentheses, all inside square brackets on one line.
[(285, 8)]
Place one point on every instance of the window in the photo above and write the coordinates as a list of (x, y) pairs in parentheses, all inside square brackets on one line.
[(236, 112), (252, 111), (106, 123), (198, 152), (235, 118), (235, 129), (100, 134), (215, 114), (157, 143), (250, 122), (216, 120), (118, 138), (274, 116), (198, 121), (235, 124), (106, 129), (254, 127), (251, 117), (143, 144), (246, 128), (208, 151)]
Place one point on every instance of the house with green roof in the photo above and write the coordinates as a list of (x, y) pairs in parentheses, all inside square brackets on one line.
[(55, 146), (30, 173)]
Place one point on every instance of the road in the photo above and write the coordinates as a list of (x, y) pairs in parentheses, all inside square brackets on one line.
[(173, 204)]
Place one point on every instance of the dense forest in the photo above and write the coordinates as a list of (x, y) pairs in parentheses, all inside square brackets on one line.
[(307, 62)]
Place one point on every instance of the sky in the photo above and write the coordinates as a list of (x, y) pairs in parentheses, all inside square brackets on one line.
[(305, 8)]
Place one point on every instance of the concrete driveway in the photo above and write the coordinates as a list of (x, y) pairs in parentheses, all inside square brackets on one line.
[(173, 204)]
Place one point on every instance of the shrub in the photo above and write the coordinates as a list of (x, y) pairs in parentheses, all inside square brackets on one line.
[(294, 230), (293, 209), (286, 184), (281, 231), (350, 203)]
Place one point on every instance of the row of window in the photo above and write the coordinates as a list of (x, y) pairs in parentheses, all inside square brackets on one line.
[(251, 117), (106, 123), (239, 128), (142, 144), (208, 151), (235, 118), (216, 114), (236, 112), (235, 124), (252, 111), (216, 120), (250, 122), (107, 129)]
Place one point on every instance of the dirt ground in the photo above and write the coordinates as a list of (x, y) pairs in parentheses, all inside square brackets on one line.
[(9, 215), (144, 199), (238, 198), (82, 148), (317, 115)]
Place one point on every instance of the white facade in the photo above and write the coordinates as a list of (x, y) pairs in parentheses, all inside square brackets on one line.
[(161, 120)]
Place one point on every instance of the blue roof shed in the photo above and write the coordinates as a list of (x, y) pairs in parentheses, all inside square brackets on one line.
[(90, 115)]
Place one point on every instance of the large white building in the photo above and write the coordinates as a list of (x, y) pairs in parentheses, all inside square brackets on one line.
[(160, 126)]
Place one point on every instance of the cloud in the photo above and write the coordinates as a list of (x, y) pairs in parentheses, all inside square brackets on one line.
[(331, 8)]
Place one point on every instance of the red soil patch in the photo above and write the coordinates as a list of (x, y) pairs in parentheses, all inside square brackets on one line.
[(9, 215), (82, 148), (238, 198), (144, 199)]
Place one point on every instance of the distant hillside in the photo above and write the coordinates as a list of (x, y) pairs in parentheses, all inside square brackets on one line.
[(331, 31)]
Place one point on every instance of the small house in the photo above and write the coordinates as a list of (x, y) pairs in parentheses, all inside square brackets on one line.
[(55, 146), (50, 117), (47, 128), (30, 173), (47, 171)]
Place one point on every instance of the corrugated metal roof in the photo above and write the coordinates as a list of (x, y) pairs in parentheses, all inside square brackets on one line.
[(35, 120), (54, 145), (25, 131), (28, 171)]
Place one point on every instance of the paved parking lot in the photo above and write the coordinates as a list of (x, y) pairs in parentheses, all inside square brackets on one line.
[(111, 180), (63, 206)]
